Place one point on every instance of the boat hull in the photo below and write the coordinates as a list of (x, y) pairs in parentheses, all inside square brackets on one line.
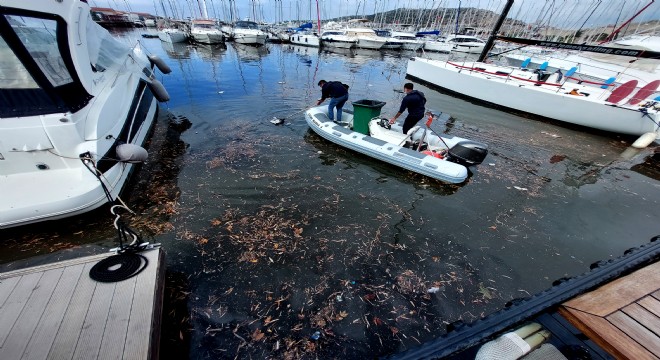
[(172, 36), (526, 98), (250, 38), (438, 46), (208, 38), (366, 43), (72, 188), (305, 40), (391, 153)]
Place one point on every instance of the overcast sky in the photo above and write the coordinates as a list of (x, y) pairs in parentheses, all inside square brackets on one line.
[(562, 13)]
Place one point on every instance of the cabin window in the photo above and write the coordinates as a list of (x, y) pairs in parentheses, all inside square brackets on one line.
[(13, 75), (39, 36)]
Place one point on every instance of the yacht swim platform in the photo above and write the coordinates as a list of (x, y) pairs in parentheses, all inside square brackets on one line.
[(56, 311)]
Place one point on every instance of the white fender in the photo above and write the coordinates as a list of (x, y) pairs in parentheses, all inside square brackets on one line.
[(159, 90), (645, 140), (160, 64), (131, 153)]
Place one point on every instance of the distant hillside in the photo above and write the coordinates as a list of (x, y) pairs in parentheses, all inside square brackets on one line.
[(482, 22), (443, 18)]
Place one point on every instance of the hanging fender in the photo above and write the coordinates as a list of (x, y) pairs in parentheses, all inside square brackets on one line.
[(160, 64), (158, 90)]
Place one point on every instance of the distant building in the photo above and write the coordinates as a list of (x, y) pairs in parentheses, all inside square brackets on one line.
[(108, 17)]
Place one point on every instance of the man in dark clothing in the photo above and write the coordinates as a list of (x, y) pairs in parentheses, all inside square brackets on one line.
[(338, 94), (414, 101)]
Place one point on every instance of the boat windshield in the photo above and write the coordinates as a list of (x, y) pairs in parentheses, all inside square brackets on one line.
[(105, 51), (246, 25), (204, 26), (13, 75), (39, 36), (21, 93), (36, 69)]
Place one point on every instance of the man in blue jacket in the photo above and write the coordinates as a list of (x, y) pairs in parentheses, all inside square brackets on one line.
[(414, 101), (338, 94)]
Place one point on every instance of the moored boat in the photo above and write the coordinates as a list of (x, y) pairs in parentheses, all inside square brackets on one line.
[(248, 32), (626, 110), (204, 31), (76, 107), (305, 38), (443, 158), (337, 39)]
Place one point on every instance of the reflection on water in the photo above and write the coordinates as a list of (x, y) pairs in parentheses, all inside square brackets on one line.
[(176, 50), (210, 51), (274, 234), (249, 53)]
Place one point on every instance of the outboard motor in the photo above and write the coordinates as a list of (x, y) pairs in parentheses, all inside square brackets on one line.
[(468, 153)]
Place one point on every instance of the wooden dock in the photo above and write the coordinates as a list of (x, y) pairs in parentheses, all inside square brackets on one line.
[(56, 311), (622, 317)]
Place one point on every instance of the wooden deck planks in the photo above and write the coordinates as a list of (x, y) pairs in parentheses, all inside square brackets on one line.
[(651, 304), (619, 293), (93, 327), (15, 303), (56, 311), (140, 324), (638, 332), (28, 320), (44, 335), (6, 288), (644, 317), (613, 340), (623, 316), (67, 336), (116, 327)]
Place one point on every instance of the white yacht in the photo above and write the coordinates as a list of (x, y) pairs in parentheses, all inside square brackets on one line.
[(173, 32), (248, 32), (77, 104), (337, 39), (366, 38), (391, 43), (408, 41), (466, 44), (305, 38), (204, 31), (437, 45)]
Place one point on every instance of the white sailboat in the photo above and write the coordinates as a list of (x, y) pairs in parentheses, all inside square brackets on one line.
[(626, 110)]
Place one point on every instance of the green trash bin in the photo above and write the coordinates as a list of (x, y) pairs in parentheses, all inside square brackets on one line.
[(363, 112)]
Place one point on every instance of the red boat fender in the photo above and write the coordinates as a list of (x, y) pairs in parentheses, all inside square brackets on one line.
[(433, 153)]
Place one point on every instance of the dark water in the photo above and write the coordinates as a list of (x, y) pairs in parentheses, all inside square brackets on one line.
[(273, 234)]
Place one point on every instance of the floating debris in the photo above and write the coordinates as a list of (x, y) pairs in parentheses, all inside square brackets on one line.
[(277, 121), (550, 134)]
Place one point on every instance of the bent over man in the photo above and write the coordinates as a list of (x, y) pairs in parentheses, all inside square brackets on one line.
[(338, 94)]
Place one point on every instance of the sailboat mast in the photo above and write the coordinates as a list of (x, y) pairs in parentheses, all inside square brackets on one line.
[(202, 5), (318, 17), (458, 16), (611, 37), (496, 29)]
